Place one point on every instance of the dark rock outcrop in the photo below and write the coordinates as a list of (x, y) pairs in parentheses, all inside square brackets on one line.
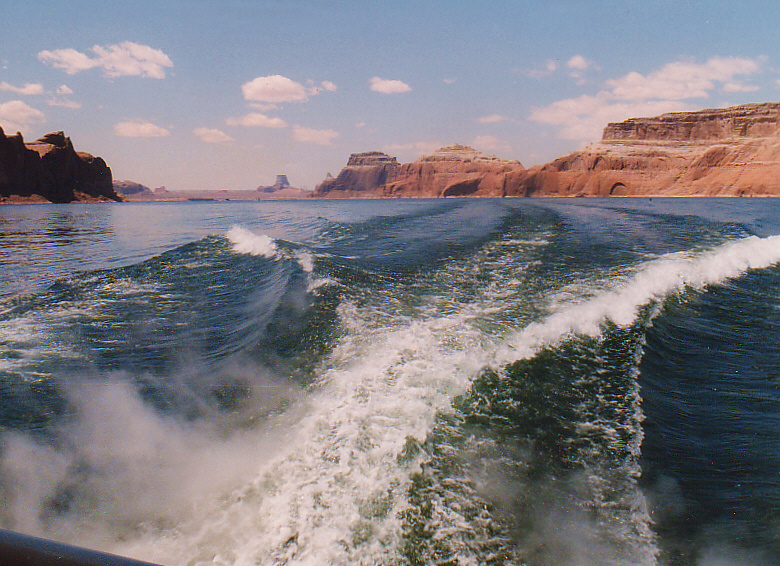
[(363, 177), (281, 184), (49, 169), (127, 188)]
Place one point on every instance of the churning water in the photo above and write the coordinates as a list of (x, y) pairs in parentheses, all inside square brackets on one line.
[(542, 382)]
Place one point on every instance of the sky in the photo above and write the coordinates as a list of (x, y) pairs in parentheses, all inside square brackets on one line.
[(227, 94)]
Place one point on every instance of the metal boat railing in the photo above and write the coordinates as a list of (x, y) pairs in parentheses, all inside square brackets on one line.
[(17, 549)]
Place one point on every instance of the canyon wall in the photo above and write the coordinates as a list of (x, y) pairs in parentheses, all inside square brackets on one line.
[(364, 177), (722, 152), (51, 170), (718, 152)]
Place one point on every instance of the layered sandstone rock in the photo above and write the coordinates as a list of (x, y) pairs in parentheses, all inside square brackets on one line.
[(49, 169), (723, 152), (364, 176), (718, 152), (455, 171)]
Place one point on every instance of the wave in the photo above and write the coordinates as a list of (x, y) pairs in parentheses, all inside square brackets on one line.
[(653, 281), (423, 403)]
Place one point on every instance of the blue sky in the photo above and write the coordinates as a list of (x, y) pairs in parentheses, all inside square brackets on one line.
[(225, 95)]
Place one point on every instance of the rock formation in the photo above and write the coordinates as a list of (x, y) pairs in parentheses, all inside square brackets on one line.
[(281, 183), (723, 152), (719, 152), (455, 171), (364, 176), (127, 188), (49, 169)]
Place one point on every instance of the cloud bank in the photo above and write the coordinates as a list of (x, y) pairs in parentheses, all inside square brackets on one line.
[(27, 89), (123, 59), (16, 116), (664, 90)]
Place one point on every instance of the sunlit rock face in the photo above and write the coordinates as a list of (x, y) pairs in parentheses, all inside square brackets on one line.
[(49, 169), (456, 171), (722, 152), (719, 152)]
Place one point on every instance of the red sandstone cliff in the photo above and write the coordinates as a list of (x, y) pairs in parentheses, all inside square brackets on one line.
[(455, 171), (363, 177), (722, 152), (50, 169)]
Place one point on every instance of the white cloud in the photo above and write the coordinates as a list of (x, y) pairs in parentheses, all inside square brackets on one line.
[(389, 86), (63, 102), (16, 116), (139, 129), (682, 79), (327, 85), (274, 88), (256, 120), (739, 87), (492, 119), (60, 98), (310, 135), (491, 144), (124, 59), (450, 81), (28, 88), (579, 63), (550, 67), (211, 135), (583, 119)]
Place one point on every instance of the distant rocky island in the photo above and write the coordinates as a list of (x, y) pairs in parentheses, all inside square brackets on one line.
[(721, 152), (51, 170)]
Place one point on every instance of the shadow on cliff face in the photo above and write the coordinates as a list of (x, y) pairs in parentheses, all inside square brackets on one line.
[(52, 169)]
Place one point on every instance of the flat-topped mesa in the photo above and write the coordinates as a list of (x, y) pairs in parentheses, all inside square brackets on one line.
[(363, 177), (371, 159), (745, 121)]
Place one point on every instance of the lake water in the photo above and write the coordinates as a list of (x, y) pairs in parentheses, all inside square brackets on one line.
[(530, 381)]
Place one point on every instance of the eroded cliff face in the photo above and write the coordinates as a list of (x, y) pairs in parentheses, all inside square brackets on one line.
[(723, 152), (363, 177), (451, 171), (50, 169), (455, 171)]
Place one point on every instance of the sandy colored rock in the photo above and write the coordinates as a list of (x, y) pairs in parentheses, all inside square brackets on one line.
[(455, 171), (722, 152)]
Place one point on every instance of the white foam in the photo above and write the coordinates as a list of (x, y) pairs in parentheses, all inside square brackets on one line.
[(654, 280), (246, 242)]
